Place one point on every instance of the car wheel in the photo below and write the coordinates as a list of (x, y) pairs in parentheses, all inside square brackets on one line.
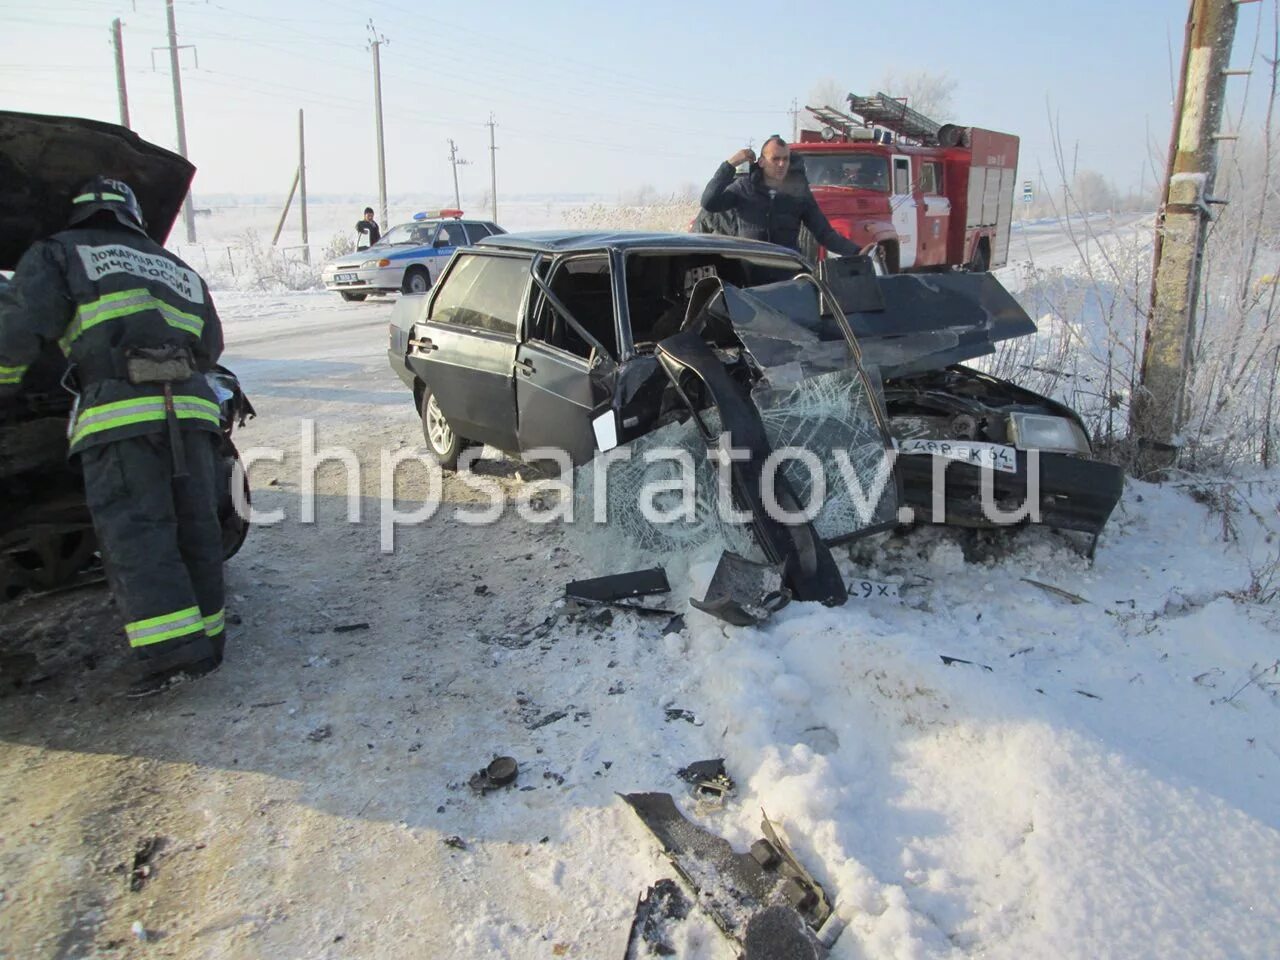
[(417, 280), (349, 295), (443, 442), (234, 526)]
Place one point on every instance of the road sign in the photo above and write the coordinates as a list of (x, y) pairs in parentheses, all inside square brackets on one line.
[(1027, 192)]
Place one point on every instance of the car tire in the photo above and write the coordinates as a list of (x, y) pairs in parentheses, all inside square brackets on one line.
[(443, 442), (349, 295), (416, 280)]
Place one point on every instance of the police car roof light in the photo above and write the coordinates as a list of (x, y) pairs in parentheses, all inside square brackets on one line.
[(446, 213)]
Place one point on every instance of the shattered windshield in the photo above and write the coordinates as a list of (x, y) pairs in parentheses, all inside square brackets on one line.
[(819, 412)]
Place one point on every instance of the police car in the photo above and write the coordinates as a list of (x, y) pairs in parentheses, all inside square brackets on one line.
[(408, 258)]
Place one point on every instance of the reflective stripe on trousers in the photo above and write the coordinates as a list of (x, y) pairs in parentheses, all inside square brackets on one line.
[(12, 374), (180, 623), (215, 623), (126, 303), (124, 413)]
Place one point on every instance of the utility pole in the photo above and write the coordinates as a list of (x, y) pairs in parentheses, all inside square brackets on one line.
[(1159, 404), (795, 120), (188, 213), (302, 187), (456, 161), (493, 172), (375, 42), (117, 45)]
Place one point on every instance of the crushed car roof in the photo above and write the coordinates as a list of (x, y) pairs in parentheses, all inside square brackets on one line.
[(563, 241), (46, 159)]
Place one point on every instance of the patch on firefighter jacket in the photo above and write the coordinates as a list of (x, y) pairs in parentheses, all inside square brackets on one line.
[(118, 258)]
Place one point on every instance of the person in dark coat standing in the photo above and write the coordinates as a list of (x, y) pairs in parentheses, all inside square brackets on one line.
[(367, 227), (140, 331), (771, 202)]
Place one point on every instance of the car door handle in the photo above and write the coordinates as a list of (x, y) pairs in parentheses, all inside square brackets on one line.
[(526, 367), (424, 345)]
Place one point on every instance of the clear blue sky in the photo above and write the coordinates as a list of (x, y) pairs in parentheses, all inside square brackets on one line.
[(593, 97)]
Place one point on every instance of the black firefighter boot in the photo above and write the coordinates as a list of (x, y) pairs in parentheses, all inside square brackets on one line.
[(190, 661)]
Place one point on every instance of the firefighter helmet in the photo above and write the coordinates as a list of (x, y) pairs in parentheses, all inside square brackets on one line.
[(102, 194)]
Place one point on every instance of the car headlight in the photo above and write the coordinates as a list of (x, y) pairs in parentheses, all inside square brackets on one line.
[(1035, 431)]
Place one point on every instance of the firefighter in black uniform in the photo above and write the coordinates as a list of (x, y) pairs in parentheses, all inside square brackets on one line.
[(140, 331)]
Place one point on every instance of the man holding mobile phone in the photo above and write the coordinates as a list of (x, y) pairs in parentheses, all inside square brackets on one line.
[(772, 200)]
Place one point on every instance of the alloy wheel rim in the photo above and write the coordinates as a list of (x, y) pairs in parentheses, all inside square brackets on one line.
[(438, 430)]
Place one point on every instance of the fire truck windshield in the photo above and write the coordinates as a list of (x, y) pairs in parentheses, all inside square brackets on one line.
[(863, 170)]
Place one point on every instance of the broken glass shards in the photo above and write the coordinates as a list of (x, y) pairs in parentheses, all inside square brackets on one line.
[(829, 422), (654, 498)]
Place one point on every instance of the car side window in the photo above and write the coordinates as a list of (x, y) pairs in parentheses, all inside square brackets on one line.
[(931, 177), (452, 233), (477, 231), (901, 175), (484, 292), (585, 287)]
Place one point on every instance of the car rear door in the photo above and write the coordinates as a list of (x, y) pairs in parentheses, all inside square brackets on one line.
[(557, 388), (465, 350)]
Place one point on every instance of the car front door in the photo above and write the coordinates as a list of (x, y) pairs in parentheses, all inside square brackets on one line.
[(465, 350), (557, 388), (903, 204), (448, 238)]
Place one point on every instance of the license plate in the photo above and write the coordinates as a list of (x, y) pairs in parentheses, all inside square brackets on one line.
[(345, 277), (997, 456)]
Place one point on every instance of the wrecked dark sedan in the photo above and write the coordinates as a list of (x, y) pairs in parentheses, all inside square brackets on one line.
[(584, 342)]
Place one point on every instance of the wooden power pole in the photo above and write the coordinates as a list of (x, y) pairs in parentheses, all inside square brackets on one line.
[(1159, 404)]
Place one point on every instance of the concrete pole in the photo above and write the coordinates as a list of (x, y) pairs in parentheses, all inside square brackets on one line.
[(453, 162), (1159, 404), (382, 153), (493, 172), (188, 212), (117, 44), (302, 187)]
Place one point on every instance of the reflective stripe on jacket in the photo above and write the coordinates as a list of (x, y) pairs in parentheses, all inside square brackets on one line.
[(100, 291)]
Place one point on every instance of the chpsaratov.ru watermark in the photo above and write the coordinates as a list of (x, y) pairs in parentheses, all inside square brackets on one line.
[(669, 496)]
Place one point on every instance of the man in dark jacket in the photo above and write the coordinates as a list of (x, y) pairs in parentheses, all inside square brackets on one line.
[(140, 331), (772, 201), (368, 227)]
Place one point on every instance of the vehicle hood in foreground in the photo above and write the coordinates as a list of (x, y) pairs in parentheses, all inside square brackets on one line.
[(47, 159)]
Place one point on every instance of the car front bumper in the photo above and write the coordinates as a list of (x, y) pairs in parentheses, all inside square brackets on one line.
[(1073, 493), (363, 279)]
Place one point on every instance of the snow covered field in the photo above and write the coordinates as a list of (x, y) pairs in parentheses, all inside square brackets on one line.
[(1023, 755)]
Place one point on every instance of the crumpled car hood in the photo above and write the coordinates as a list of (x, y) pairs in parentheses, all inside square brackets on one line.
[(46, 159), (908, 323)]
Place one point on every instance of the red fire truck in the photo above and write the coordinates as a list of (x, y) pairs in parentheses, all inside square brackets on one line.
[(931, 196)]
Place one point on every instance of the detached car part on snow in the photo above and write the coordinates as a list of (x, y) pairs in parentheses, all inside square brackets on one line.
[(46, 534), (587, 341)]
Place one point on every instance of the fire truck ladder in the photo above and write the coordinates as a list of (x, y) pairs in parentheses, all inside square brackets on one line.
[(842, 123), (894, 114)]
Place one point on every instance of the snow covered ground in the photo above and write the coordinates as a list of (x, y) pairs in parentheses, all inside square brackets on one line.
[(1094, 773)]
